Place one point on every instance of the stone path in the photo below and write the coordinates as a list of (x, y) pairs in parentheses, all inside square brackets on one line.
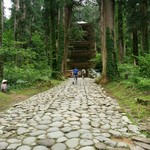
[(69, 117)]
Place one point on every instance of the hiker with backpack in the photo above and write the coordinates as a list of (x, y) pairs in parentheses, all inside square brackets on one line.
[(75, 75)]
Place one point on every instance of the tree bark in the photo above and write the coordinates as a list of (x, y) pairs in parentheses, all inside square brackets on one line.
[(1, 37), (60, 40), (120, 32), (53, 38), (103, 42), (16, 19), (47, 31), (67, 21), (144, 28), (135, 46), (107, 21)]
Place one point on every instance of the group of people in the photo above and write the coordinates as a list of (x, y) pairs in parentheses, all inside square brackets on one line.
[(75, 74)]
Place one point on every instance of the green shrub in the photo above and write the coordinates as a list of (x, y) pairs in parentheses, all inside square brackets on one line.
[(144, 63), (98, 61), (18, 77), (76, 32), (128, 69), (144, 84), (134, 77), (57, 75)]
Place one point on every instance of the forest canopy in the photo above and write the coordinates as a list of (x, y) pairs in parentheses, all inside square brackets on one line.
[(34, 41)]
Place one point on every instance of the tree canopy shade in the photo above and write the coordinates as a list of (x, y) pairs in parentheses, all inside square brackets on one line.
[(44, 28)]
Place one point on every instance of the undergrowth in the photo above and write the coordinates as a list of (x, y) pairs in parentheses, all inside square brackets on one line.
[(127, 95)]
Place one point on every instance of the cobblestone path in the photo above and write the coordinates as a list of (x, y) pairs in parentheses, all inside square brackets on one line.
[(69, 117)]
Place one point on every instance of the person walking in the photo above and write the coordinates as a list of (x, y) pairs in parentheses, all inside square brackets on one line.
[(75, 75), (83, 72), (4, 86)]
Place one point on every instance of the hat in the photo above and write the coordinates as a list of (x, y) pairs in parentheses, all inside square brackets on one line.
[(4, 81)]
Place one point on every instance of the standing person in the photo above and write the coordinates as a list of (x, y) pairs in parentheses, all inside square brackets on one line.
[(83, 72), (75, 75), (4, 86)]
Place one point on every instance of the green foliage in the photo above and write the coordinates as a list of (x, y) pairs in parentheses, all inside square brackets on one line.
[(109, 45), (112, 71), (7, 38), (37, 46), (57, 75), (20, 77), (98, 58), (76, 33), (134, 77), (37, 41), (17, 56), (144, 63), (98, 61), (128, 69), (143, 84)]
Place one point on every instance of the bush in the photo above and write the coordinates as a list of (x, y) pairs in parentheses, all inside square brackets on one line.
[(144, 84), (144, 63), (98, 61), (57, 75), (128, 69), (18, 77), (134, 77)]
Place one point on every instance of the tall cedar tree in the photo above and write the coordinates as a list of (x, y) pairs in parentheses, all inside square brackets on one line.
[(60, 34), (1, 37), (47, 30), (120, 31), (144, 26), (133, 15), (67, 20), (50, 24), (107, 24)]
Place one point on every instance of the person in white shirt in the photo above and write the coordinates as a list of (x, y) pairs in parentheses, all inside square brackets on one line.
[(4, 86), (83, 72)]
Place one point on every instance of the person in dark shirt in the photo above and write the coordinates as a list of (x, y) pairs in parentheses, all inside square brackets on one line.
[(75, 75)]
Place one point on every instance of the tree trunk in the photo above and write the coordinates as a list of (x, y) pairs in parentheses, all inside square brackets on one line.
[(135, 46), (144, 28), (60, 40), (22, 26), (47, 30), (103, 42), (67, 20), (107, 21), (1, 37), (120, 33), (53, 38), (16, 19)]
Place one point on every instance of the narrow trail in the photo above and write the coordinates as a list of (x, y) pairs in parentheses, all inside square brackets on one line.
[(69, 117)]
